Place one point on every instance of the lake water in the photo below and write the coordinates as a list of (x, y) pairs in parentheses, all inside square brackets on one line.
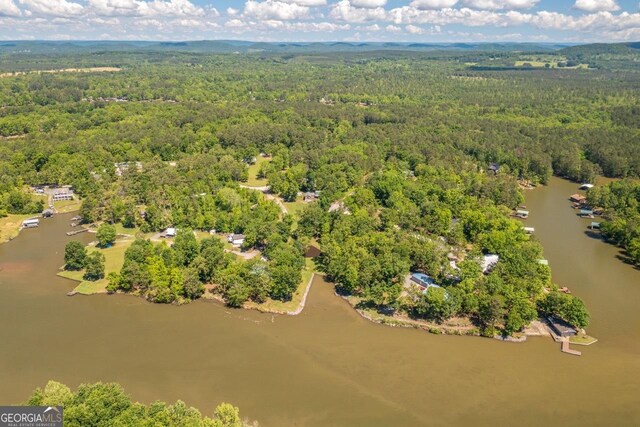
[(327, 366)]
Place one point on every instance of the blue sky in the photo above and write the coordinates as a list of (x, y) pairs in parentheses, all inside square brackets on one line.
[(323, 20)]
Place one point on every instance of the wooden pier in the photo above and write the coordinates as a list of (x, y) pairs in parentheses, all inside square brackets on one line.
[(566, 349), (74, 232)]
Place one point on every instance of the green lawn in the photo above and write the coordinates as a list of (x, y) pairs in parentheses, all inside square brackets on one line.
[(253, 181), (294, 208), (114, 258), (121, 229), (275, 306), (65, 206), (582, 339)]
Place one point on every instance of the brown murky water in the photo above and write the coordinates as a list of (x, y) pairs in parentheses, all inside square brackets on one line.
[(327, 366)]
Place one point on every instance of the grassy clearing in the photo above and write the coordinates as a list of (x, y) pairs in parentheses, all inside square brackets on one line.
[(121, 229), (552, 64), (114, 258), (10, 226), (253, 180), (66, 206), (582, 339), (294, 208), (280, 307)]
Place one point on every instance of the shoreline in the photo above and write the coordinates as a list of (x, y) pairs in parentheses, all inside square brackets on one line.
[(537, 328)]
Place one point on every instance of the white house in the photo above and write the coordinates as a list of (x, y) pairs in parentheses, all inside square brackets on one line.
[(170, 232), (236, 239)]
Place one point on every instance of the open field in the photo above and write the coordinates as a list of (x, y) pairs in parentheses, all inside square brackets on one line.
[(10, 226), (552, 64), (66, 206), (253, 180)]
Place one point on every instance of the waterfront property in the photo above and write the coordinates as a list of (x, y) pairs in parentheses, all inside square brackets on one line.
[(529, 230), (561, 328), (586, 187), (577, 198), (423, 281), (595, 225), (30, 223), (588, 213), (521, 213)]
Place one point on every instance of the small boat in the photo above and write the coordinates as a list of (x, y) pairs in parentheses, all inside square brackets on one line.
[(565, 290)]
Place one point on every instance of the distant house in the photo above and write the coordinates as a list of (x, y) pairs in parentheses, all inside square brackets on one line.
[(586, 212), (236, 239), (170, 232), (62, 196), (561, 328), (488, 262), (586, 187), (529, 230), (30, 223), (521, 213), (577, 198), (494, 168), (423, 281)]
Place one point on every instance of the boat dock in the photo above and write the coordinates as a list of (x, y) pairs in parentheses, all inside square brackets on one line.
[(74, 232), (566, 349)]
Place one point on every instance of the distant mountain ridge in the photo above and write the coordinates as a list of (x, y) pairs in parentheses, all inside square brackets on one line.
[(240, 46)]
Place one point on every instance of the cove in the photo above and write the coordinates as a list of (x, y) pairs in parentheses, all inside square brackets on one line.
[(327, 366)]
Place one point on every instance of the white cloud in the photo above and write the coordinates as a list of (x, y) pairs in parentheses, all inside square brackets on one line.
[(500, 4), (170, 8), (374, 27), (345, 11), (235, 23), (9, 8), (368, 4), (232, 12), (273, 9), (412, 29), (393, 29), (597, 5), (115, 7), (433, 4), (53, 7), (308, 3)]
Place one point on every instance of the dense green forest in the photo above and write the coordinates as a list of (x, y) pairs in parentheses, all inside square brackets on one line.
[(397, 146), (621, 226), (102, 404)]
